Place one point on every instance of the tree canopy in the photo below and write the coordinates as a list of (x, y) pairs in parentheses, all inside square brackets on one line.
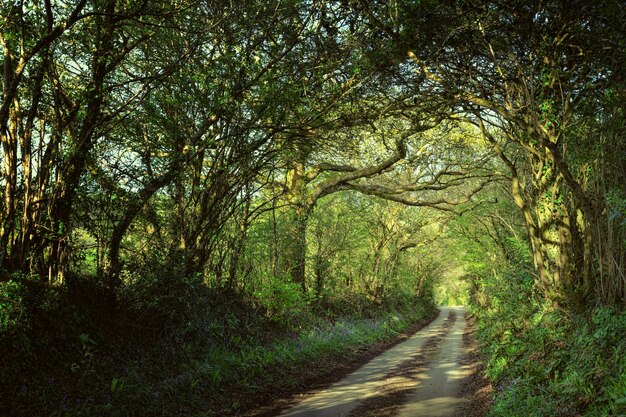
[(156, 130), (205, 172)]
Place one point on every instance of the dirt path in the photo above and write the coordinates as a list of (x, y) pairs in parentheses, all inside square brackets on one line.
[(420, 376)]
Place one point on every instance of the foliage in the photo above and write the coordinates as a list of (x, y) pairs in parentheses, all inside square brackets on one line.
[(195, 193), (174, 345), (554, 364), (546, 361), (11, 308), (282, 300)]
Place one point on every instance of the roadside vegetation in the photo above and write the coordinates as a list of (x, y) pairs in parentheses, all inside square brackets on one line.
[(203, 199), (179, 350), (549, 363), (542, 359)]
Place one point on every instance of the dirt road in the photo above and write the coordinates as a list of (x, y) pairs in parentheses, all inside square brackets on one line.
[(418, 377)]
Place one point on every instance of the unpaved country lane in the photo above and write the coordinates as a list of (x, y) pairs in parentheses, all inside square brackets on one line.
[(440, 383), (391, 382)]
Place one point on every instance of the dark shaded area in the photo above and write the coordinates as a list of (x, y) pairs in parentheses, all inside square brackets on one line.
[(174, 347)]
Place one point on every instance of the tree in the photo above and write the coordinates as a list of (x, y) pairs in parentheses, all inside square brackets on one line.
[(69, 66), (419, 169), (523, 72)]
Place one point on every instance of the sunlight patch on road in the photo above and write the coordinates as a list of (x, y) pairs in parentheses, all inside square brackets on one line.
[(379, 378)]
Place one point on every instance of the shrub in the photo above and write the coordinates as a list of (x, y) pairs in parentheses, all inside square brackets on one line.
[(547, 361)]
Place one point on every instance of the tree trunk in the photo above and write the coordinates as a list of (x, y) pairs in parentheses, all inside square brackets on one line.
[(113, 265), (66, 186), (297, 218), (240, 241), (295, 255)]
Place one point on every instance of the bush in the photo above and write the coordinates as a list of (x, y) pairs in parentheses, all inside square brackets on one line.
[(11, 306), (282, 300), (546, 361)]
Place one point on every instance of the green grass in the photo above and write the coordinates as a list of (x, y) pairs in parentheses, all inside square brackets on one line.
[(175, 348)]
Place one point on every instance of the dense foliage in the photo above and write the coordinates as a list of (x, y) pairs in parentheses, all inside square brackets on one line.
[(196, 191), (544, 360)]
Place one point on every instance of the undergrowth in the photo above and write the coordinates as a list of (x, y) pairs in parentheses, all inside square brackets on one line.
[(547, 361), (175, 347)]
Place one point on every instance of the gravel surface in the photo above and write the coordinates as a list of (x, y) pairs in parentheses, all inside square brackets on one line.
[(436, 371)]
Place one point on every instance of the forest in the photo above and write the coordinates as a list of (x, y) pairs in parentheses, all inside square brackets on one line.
[(207, 204)]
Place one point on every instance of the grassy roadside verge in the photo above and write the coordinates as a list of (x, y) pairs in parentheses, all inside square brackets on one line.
[(317, 358), (179, 351), (548, 361)]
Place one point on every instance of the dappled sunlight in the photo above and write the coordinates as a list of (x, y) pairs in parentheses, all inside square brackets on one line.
[(433, 380), (208, 207), (438, 394), (363, 383)]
